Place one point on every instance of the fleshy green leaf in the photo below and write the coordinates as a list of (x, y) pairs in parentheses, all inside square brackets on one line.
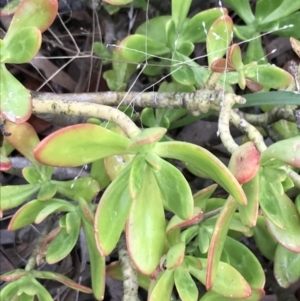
[(115, 164), (241, 258), (24, 138), (13, 275), (22, 46), (117, 2), (15, 98), (219, 38), (112, 210), (287, 150), (229, 283), (145, 228), (203, 160), (187, 235), (203, 195), (235, 57), (79, 144), (176, 222), (269, 76), (249, 212), (242, 8), (203, 239), (212, 296), (86, 188), (9, 291), (101, 50), (288, 237), (182, 73), (175, 256), (152, 27), (270, 201), (5, 163), (13, 196), (43, 294), (36, 211), (31, 175), (97, 263), (274, 174), (289, 25), (286, 266), (185, 284), (62, 279), (180, 10), (174, 189), (47, 191), (65, 240), (163, 287), (271, 10), (255, 51), (136, 48), (146, 138), (263, 239), (198, 26), (217, 242), (136, 176), (297, 203), (29, 286), (172, 35), (10, 7), (99, 173), (33, 13)]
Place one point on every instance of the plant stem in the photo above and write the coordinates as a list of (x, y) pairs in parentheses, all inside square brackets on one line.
[(267, 118), (32, 261), (213, 79), (224, 118), (58, 106), (201, 101), (130, 283), (252, 133)]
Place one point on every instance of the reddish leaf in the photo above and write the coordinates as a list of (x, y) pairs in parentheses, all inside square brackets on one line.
[(62, 279), (244, 162), (218, 240), (24, 138), (13, 275), (253, 86), (5, 163), (221, 65), (201, 159), (176, 222), (229, 283), (80, 144), (34, 13)]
